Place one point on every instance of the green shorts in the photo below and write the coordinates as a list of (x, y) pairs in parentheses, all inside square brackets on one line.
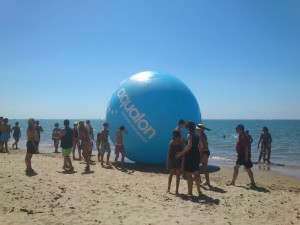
[(66, 151), (104, 147)]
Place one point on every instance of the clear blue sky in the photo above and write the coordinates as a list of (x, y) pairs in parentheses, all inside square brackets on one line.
[(63, 59)]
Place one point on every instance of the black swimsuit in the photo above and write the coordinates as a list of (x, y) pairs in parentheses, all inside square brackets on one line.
[(192, 157), (173, 162)]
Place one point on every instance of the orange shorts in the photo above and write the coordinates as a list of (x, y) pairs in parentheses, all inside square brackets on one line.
[(119, 149)]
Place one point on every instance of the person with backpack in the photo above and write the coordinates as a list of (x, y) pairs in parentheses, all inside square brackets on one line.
[(243, 156)]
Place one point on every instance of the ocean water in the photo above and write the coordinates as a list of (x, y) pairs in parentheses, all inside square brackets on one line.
[(285, 134)]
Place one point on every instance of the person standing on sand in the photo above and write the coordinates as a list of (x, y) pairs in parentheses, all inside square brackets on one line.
[(55, 136), (265, 141), (192, 158), (181, 124), (5, 134), (38, 129), (1, 122), (16, 134), (86, 144), (250, 142), (103, 144), (32, 143), (175, 146), (204, 151), (66, 137), (119, 148), (76, 141), (242, 149)]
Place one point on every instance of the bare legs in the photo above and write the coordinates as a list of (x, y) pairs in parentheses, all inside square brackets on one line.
[(172, 172), (15, 143), (56, 143), (2, 145), (122, 160), (190, 182), (204, 161), (87, 157), (28, 162), (236, 173), (68, 163)]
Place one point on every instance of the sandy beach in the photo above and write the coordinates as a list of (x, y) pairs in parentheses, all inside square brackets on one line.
[(137, 196)]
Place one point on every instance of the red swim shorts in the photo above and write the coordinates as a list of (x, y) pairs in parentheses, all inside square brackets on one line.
[(119, 149)]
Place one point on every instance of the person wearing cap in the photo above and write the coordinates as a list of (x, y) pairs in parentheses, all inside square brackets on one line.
[(76, 141), (204, 151), (243, 159), (55, 136)]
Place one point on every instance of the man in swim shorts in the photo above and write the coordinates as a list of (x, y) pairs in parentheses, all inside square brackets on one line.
[(66, 137), (119, 148), (242, 149), (103, 144), (5, 133), (32, 141), (1, 122)]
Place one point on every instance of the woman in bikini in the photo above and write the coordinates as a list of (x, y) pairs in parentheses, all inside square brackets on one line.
[(55, 136), (204, 151), (175, 146), (86, 144)]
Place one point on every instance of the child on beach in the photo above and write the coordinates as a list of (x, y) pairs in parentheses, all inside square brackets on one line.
[(192, 158), (204, 151), (265, 141), (242, 149), (32, 142), (16, 134), (55, 136), (103, 144), (119, 148), (86, 144), (76, 141), (175, 146), (66, 137), (5, 134)]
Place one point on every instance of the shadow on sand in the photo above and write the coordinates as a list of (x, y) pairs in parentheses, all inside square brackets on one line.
[(67, 172), (203, 199), (31, 174), (214, 189), (256, 188)]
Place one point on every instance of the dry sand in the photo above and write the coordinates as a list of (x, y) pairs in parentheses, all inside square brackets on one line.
[(138, 196)]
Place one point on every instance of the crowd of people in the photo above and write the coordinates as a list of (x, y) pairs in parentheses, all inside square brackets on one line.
[(183, 157)]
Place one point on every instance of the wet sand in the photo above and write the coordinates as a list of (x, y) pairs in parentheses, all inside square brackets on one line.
[(137, 196)]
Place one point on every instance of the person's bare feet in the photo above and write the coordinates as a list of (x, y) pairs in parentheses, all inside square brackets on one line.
[(230, 184)]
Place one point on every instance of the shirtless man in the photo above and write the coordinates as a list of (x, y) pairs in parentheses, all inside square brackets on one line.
[(119, 148), (103, 144), (265, 141), (5, 134)]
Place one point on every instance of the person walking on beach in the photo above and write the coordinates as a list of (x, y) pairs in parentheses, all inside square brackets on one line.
[(38, 129), (119, 147), (173, 164), (86, 144), (103, 145), (5, 134), (265, 141), (16, 134), (76, 141), (192, 158), (242, 149), (55, 136), (66, 137), (1, 122), (204, 150), (32, 143)]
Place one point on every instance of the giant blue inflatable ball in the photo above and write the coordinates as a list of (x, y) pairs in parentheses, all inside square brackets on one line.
[(150, 104)]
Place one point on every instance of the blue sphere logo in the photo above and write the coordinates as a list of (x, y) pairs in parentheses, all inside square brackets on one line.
[(150, 104)]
